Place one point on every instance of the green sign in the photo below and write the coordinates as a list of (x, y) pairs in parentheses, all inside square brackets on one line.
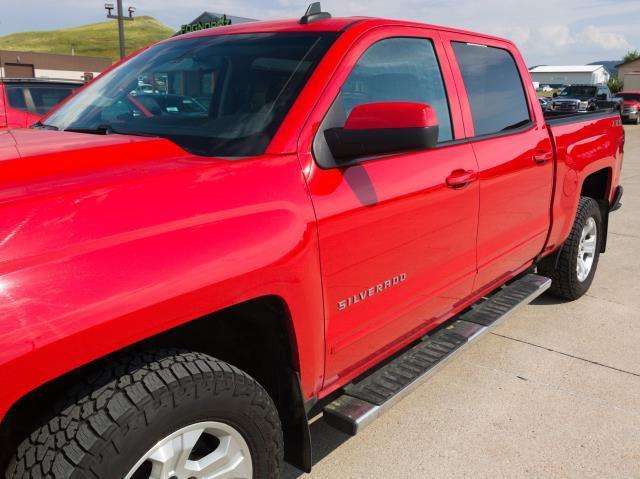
[(194, 27)]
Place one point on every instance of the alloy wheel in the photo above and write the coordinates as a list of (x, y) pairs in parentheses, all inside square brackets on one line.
[(206, 450), (587, 249)]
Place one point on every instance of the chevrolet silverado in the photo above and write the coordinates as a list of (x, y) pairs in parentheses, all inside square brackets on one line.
[(359, 199)]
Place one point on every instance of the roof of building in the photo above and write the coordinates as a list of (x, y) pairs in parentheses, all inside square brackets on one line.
[(566, 69), (55, 61), (628, 63)]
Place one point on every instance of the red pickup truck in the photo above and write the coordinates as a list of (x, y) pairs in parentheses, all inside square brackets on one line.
[(318, 214), (23, 101), (631, 106)]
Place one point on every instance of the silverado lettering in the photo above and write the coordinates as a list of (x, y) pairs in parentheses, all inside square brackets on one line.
[(367, 293)]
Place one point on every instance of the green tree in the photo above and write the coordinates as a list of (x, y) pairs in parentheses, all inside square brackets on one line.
[(631, 55), (615, 84)]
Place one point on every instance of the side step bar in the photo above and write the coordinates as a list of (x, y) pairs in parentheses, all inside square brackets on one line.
[(365, 400)]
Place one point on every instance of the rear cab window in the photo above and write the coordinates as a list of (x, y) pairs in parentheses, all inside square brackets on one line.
[(37, 99), (494, 88), (15, 97), (46, 97)]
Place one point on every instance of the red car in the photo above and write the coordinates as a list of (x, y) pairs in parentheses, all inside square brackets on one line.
[(23, 101), (183, 289), (631, 107)]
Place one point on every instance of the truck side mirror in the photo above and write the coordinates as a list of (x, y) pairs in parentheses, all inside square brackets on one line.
[(384, 127), (602, 96)]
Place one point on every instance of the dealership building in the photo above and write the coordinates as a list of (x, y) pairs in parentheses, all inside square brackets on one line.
[(570, 75), (49, 65)]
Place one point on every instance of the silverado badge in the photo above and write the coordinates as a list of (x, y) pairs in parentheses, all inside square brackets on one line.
[(371, 291)]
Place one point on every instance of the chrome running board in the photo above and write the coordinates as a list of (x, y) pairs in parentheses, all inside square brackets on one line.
[(370, 396)]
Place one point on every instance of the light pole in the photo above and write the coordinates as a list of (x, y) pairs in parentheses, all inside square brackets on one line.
[(121, 19)]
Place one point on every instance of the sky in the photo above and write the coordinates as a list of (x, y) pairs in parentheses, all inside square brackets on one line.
[(547, 32)]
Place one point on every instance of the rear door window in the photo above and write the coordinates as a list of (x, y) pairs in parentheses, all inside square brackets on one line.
[(494, 88)]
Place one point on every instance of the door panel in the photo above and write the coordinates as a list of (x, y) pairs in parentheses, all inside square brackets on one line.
[(397, 243), (515, 202), (397, 248), (513, 150)]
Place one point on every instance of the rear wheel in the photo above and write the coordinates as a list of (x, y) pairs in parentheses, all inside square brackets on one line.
[(159, 415), (573, 270)]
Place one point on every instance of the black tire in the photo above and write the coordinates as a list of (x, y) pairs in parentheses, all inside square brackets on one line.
[(563, 269), (125, 406)]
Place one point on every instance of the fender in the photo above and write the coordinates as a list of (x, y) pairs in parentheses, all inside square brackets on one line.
[(577, 146), (106, 246)]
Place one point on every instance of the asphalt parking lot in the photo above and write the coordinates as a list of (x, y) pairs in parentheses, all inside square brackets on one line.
[(553, 392)]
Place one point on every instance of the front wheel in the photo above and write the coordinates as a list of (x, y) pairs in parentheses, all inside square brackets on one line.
[(160, 415), (573, 270)]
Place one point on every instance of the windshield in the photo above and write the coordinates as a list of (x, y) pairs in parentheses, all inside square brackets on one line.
[(213, 96), (582, 92), (629, 96)]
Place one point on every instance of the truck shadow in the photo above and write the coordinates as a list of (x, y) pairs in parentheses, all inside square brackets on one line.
[(548, 300), (325, 440)]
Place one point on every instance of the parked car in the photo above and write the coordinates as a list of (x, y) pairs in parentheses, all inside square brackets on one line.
[(631, 106), (582, 98), (23, 101), (181, 293)]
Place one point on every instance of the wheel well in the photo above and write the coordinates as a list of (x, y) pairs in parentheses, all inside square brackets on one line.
[(255, 336), (597, 186)]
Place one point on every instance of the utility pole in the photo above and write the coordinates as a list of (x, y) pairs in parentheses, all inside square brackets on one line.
[(121, 19)]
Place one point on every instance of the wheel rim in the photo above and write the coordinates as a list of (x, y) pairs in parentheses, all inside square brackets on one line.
[(206, 450), (587, 249)]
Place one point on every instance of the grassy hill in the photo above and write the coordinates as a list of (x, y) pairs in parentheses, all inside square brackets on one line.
[(95, 40)]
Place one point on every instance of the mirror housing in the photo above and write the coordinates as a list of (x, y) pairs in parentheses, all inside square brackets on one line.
[(383, 128), (602, 96)]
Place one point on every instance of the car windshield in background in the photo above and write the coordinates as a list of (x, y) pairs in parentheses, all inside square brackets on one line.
[(629, 96), (582, 92), (214, 96)]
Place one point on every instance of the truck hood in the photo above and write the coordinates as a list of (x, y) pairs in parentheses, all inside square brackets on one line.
[(30, 155)]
